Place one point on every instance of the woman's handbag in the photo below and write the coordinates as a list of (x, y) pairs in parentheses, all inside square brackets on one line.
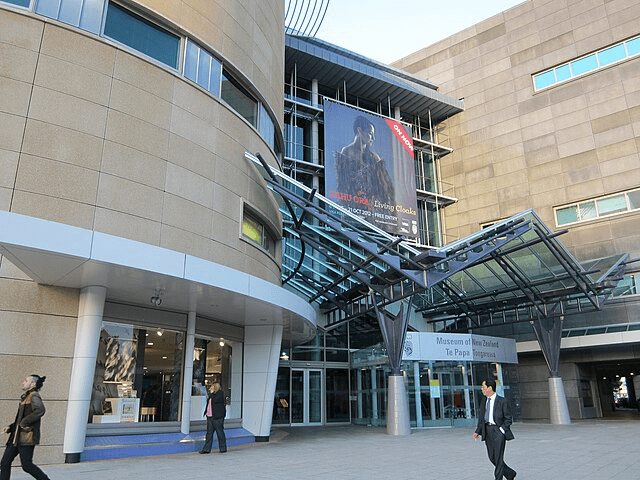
[(26, 436)]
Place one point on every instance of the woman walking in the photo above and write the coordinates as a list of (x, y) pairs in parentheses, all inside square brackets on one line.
[(24, 432), (215, 413)]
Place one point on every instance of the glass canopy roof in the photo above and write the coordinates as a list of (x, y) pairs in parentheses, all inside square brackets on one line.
[(513, 271)]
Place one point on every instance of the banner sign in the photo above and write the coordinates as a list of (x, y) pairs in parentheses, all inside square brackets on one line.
[(369, 168), (459, 346)]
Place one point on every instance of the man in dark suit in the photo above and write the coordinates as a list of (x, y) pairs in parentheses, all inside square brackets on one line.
[(494, 426)]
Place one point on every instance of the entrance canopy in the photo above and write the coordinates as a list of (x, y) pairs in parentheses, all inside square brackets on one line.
[(514, 271)]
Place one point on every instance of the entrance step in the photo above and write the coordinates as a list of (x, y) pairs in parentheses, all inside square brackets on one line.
[(123, 446)]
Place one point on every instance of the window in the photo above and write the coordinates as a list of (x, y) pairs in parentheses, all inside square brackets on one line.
[(84, 14), (297, 136), (138, 375), (140, 34), (266, 127), (588, 63), (152, 40), (611, 55), (255, 230), (598, 207), (611, 205), (239, 99), (203, 68), (633, 47), (213, 362), (583, 65), (20, 3)]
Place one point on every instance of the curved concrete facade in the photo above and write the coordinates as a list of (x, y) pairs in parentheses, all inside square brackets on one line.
[(99, 138), (100, 142)]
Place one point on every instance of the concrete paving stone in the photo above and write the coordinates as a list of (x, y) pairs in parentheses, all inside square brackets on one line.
[(586, 450)]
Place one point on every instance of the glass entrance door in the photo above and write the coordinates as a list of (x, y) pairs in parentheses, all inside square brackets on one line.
[(306, 396), (447, 399)]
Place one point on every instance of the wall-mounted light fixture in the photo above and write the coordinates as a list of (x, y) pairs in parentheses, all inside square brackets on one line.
[(156, 299)]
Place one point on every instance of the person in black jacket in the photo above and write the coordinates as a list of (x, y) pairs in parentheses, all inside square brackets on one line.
[(494, 426), (24, 432), (215, 413)]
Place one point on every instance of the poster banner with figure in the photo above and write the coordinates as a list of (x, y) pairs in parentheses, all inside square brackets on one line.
[(369, 168)]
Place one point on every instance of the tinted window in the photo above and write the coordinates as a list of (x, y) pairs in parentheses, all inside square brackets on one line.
[(20, 3), (239, 100), (267, 129), (141, 35), (567, 215), (610, 205), (588, 210)]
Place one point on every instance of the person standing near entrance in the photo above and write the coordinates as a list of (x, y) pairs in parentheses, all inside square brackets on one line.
[(24, 432), (215, 413), (494, 426)]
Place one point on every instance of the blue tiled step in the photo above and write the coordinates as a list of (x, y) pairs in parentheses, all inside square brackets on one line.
[(122, 446)]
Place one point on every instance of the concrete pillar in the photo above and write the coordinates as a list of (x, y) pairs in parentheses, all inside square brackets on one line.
[(467, 393), (558, 408), (189, 344), (398, 418), (84, 363), (261, 360)]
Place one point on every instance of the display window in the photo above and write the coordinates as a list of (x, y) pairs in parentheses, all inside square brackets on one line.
[(138, 375), (213, 362)]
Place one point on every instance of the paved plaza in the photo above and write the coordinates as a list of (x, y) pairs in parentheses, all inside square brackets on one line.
[(585, 450)]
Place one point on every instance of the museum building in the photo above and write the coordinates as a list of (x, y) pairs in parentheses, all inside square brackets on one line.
[(551, 123), (146, 253)]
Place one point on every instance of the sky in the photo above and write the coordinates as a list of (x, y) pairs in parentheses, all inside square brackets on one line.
[(387, 30)]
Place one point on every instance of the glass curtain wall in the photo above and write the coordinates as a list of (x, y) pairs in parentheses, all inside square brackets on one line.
[(313, 381), (445, 394)]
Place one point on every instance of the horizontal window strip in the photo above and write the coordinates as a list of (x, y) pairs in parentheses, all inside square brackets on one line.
[(586, 64)]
